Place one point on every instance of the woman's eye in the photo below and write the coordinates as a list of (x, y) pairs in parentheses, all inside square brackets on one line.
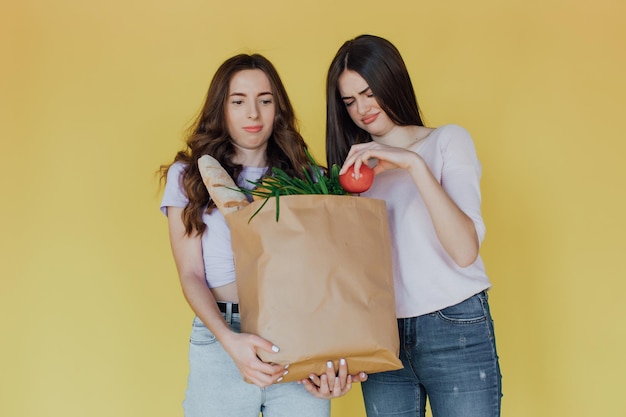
[(237, 102), (348, 103), (266, 101)]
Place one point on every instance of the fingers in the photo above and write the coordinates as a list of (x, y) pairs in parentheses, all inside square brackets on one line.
[(315, 379), (360, 377), (253, 369), (275, 371), (263, 374), (383, 157), (343, 381), (348, 385), (311, 387), (284, 371), (261, 377), (358, 155), (342, 374), (330, 384), (265, 345), (330, 375), (350, 158), (317, 385), (314, 389)]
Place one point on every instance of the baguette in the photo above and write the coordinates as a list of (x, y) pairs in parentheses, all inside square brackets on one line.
[(221, 186)]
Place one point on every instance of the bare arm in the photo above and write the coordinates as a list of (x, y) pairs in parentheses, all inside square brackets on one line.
[(187, 251), (454, 228)]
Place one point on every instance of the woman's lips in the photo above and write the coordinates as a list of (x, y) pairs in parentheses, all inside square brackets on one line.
[(369, 119), (253, 129)]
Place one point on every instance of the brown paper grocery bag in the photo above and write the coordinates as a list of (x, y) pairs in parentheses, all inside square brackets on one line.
[(318, 282)]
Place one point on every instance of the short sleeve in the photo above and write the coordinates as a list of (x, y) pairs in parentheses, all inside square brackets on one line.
[(174, 194), (461, 174)]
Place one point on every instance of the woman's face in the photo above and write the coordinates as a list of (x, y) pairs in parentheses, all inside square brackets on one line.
[(362, 105), (250, 110)]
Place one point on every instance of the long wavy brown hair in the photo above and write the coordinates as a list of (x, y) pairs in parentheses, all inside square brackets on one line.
[(380, 64), (209, 135)]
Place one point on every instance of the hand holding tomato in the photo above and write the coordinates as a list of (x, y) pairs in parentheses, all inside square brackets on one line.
[(355, 185)]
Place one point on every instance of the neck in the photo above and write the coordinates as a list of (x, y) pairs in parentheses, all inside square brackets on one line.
[(403, 136), (250, 158)]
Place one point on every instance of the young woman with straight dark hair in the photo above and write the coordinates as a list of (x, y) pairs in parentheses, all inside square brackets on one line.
[(430, 180)]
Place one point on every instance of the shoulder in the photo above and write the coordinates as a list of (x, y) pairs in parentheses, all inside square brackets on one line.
[(175, 171), (177, 167), (174, 183), (452, 131), (453, 135), (174, 194)]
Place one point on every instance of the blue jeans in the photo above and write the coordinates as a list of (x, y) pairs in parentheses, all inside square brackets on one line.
[(216, 388), (449, 357)]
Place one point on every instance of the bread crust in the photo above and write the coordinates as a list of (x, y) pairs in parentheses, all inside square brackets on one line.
[(221, 186)]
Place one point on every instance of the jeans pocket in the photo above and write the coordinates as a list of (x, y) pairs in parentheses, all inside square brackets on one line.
[(200, 334), (470, 311)]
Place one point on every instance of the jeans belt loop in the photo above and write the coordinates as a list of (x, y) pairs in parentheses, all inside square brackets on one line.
[(229, 313)]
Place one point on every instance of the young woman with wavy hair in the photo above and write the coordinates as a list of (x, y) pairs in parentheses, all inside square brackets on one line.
[(248, 124)]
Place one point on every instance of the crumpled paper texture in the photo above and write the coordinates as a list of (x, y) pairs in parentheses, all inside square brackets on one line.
[(318, 283)]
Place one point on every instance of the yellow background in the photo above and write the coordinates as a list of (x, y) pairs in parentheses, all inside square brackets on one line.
[(95, 96)]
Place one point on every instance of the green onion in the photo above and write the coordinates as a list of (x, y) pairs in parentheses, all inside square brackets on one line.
[(316, 181)]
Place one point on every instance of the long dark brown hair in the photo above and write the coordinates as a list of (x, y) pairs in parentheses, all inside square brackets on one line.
[(209, 135), (380, 64)]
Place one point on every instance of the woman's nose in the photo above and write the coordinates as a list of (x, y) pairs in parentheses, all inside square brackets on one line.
[(362, 107), (253, 112)]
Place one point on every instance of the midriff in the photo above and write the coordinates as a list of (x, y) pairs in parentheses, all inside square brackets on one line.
[(226, 293)]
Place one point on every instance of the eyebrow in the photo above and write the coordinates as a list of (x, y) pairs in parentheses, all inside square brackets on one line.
[(360, 92), (264, 93)]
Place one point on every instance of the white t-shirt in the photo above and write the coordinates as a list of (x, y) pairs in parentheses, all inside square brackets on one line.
[(426, 279), (219, 266)]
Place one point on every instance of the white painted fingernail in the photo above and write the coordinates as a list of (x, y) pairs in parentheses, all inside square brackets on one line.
[(286, 366), (342, 361), (285, 373), (329, 364), (275, 348), (279, 379)]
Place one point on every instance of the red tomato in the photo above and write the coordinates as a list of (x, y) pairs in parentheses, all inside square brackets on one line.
[(363, 183)]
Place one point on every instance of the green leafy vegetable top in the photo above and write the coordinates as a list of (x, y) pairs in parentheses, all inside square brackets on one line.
[(316, 181)]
